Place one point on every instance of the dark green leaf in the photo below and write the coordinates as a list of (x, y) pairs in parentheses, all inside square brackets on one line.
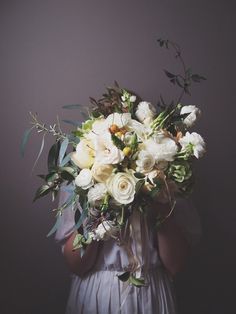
[(197, 78), (168, 74), (53, 156), (42, 191), (117, 142), (139, 185), (139, 175), (124, 277), (83, 215)]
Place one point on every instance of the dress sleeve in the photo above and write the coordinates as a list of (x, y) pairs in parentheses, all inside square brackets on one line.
[(67, 220), (187, 218)]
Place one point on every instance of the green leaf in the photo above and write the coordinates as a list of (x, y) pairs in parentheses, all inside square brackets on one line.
[(73, 106), (170, 75), (117, 142), (197, 78), (42, 191), (40, 152), (24, 141), (55, 227), (53, 156), (137, 282), (78, 133), (83, 216), (63, 149), (67, 173), (139, 175), (124, 277), (65, 160), (139, 185)]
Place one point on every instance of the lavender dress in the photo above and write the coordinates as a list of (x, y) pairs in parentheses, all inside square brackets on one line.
[(101, 292)]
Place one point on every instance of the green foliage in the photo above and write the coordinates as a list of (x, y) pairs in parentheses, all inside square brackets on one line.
[(80, 241), (180, 171), (117, 142)]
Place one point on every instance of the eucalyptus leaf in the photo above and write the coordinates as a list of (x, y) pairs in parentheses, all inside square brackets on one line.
[(65, 160), (74, 123), (24, 141), (63, 149), (40, 152), (73, 106), (55, 227)]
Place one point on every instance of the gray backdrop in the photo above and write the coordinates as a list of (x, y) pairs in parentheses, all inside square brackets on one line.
[(61, 52)]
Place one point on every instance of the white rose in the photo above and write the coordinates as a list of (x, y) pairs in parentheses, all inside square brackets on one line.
[(106, 152), (161, 147), (83, 157), (145, 112), (195, 141), (145, 162), (122, 187), (120, 119), (101, 172), (104, 231), (96, 193), (84, 179), (191, 118)]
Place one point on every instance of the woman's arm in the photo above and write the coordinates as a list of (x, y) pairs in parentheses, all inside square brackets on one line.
[(77, 264), (173, 246)]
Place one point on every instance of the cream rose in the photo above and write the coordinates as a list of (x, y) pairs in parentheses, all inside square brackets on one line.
[(145, 162), (97, 193), (193, 114), (122, 187), (84, 179), (101, 172), (83, 157), (145, 112)]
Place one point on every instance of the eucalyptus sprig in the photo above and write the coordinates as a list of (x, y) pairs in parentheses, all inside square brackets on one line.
[(54, 129)]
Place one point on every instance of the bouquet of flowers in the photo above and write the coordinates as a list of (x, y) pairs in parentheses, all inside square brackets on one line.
[(124, 156)]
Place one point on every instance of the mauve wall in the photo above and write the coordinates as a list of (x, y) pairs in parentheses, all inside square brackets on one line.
[(61, 52)]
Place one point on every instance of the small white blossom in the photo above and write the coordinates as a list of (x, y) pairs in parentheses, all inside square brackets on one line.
[(195, 141), (84, 179), (97, 193), (191, 118), (145, 112), (104, 231)]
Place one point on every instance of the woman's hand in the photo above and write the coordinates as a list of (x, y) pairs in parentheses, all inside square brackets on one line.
[(77, 264)]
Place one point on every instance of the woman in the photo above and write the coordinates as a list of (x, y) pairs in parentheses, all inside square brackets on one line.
[(161, 253)]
